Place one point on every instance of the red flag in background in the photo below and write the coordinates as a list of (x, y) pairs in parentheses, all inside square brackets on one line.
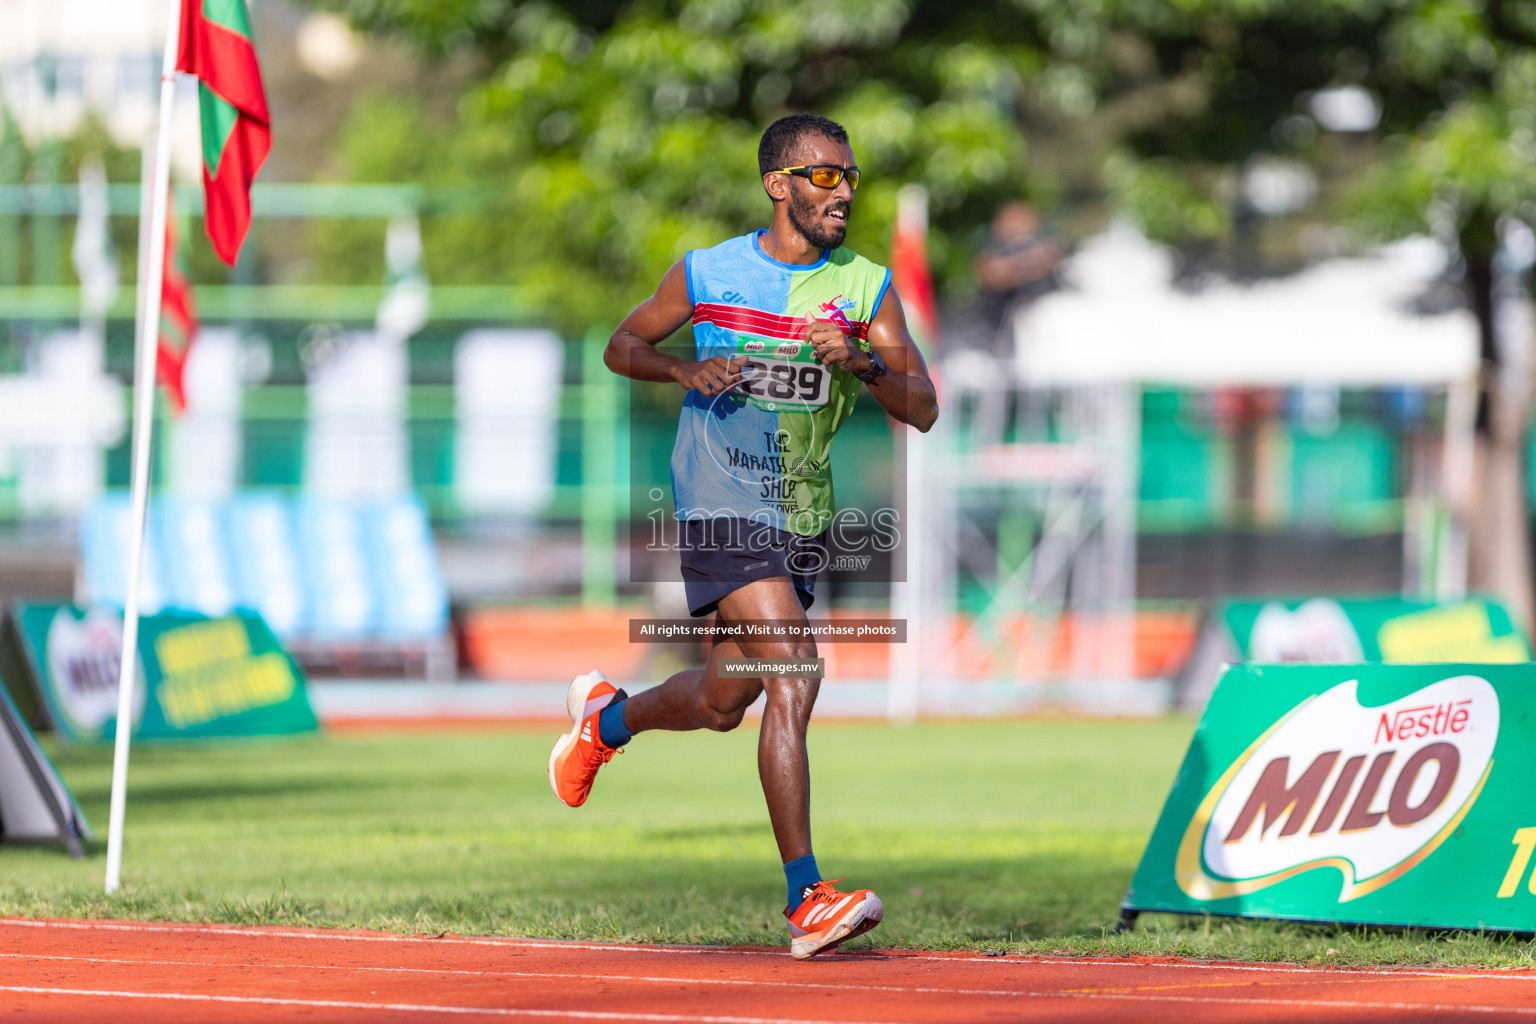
[(909, 268), (178, 313), (216, 46)]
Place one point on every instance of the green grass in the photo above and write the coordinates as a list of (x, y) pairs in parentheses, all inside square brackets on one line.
[(1003, 835)]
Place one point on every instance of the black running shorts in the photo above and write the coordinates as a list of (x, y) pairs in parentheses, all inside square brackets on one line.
[(723, 555)]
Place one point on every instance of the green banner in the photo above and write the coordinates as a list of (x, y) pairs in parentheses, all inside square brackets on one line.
[(197, 676), (1326, 630), (1374, 794)]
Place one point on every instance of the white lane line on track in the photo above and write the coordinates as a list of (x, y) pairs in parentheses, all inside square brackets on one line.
[(1330, 1004), (605, 976), (1506, 973)]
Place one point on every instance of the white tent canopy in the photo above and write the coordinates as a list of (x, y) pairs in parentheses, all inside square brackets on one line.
[(1345, 322), (1069, 489)]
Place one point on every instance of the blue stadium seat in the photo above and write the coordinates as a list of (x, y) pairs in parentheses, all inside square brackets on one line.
[(196, 555), (402, 558), (334, 562), (105, 531), (318, 570), (265, 561)]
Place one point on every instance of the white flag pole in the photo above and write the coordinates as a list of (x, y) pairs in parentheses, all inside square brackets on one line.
[(913, 599), (152, 204)]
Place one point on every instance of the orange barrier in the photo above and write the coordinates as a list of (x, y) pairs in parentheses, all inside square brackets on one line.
[(527, 644), (1021, 647), (524, 644)]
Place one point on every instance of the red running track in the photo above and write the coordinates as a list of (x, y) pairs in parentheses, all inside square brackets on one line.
[(130, 972)]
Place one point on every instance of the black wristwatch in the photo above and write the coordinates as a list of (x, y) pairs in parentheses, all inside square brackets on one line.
[(876, 369)]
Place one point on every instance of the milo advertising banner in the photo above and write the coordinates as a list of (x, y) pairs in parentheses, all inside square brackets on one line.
[(1391, 629), (197, 676), (1335, 631), (1372, 794)]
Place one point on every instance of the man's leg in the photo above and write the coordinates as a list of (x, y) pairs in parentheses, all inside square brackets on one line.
[(782, 763), (706, 699)]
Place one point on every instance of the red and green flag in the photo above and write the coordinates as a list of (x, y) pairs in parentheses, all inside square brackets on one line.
[(178, 313), (216, 46), (909, 268)]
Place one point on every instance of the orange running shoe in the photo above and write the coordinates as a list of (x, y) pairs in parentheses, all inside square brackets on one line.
[(827, 918), (577, 756)]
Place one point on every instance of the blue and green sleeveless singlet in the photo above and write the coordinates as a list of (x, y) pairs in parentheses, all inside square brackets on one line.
[(761, 451)]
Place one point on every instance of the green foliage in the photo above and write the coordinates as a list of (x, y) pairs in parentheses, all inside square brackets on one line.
[(1168, 204), (1477, 156), (619, 138), (1453, 78)]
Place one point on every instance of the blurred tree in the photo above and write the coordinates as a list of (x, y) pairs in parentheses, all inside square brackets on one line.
[(1418, 116), (620, 135), (1468, 171)]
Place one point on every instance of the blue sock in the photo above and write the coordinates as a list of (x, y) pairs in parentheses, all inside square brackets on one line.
[(801, 874), (610, 725)]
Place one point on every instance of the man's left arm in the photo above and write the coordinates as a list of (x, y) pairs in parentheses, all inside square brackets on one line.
[(904, 390)]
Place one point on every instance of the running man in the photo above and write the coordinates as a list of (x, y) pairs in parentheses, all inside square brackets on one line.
[(788, 326)]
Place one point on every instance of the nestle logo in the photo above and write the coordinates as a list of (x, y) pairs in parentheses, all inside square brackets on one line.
[(1429, 720)]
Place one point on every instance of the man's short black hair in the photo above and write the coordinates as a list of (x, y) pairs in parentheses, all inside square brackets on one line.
[(780, 138)]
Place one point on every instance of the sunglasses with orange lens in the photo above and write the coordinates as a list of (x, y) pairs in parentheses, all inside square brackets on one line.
[(824, 175)]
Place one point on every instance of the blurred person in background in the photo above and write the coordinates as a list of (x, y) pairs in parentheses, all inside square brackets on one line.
[(789, 327), (1016, 266)]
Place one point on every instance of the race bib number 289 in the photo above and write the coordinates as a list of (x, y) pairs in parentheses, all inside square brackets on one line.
[(782, 375)]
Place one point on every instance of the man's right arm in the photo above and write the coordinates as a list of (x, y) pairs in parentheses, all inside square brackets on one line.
[(632, 351)]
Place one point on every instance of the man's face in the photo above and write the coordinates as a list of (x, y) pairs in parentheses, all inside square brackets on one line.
[(820, 214)]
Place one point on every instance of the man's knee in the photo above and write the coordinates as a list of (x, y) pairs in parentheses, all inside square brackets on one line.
[(721, 719), (792, 697), (725, 721), (803, 651)]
